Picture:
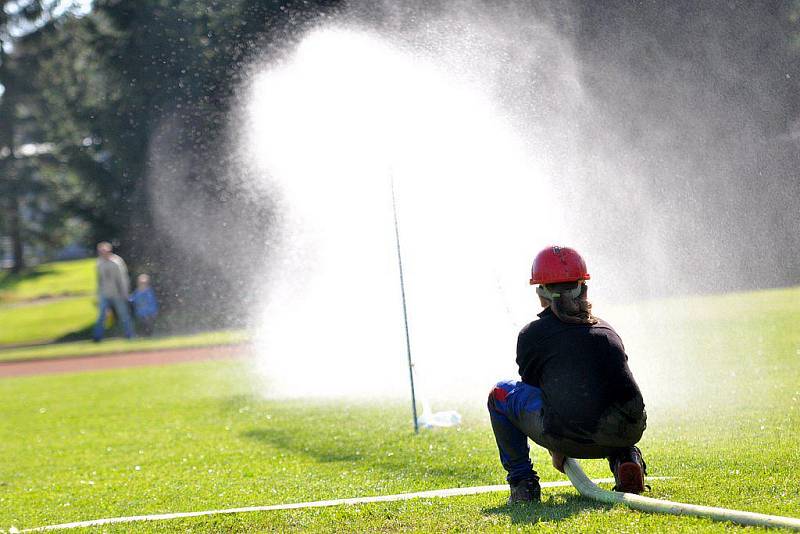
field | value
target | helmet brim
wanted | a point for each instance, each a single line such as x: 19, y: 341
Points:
x: 537, y: 281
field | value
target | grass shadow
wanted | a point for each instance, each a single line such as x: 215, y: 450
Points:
x: 554, y: 507
x: 117, y: 331
x: 78, y: 335
x: 9, y: 280
x: 355, y: 453
x: 285, y: 440
x: 85, y: 334
x: 316, y: 435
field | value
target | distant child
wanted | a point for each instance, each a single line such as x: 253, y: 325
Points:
x: 145, y: 305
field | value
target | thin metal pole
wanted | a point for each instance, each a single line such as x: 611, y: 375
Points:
x: 405, y: 309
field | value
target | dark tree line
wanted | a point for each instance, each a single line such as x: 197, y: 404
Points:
x: 85, y: 96
x: 90, y: 90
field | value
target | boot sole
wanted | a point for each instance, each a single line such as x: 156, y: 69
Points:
x: 631, y: 478
x: 535, y: 497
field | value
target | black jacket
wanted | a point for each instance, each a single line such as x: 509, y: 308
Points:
x: 582, y: 370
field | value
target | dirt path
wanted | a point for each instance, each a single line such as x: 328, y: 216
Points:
x: 124, y: 359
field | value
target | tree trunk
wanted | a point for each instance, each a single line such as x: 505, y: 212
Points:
x: 7, y: 141
x: 15, y: 231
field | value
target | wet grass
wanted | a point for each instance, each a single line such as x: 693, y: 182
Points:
x: 196, y: 437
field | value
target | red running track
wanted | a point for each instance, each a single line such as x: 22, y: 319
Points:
x: 97, y: 362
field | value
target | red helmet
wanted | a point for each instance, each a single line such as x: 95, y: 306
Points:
x: 558, y: 264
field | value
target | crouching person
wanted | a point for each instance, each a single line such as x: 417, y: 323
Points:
x: 577, y: 397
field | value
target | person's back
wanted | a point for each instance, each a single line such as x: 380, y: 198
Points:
x: 584, y: 376
x: 145, y: 304
x: 112, y: 277
x: 112, y: 290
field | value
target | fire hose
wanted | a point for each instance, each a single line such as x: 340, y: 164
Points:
x: 589, y: 489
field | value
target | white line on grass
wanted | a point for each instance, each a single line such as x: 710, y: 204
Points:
x: 452, y: 492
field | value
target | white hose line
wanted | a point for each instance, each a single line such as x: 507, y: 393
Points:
x: 452, y: 492
x: 587, y: 488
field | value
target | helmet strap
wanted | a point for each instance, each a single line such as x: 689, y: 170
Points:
x: 546, y: 294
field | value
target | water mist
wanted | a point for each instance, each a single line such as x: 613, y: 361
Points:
x: 496, y: 150
x: 346, y: 114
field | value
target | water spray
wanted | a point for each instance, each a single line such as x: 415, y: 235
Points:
x: 464, y: 140
x: 405, y: 308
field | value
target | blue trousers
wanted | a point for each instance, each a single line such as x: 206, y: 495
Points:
x: 516, y: 410
x: 508, y: 402
x: 123, y: 314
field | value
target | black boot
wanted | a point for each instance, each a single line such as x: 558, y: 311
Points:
x: 629, y: 470
x: 526, y: 490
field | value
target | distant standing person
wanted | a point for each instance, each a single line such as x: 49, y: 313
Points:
x: 145, y: 305
x: 113, y: 287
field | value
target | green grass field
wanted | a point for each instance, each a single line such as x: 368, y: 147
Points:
x: 197, y: 437
x: 39, y: 321
x: 57, y: 279
x: 47, y: 302
x: 57, y: 301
